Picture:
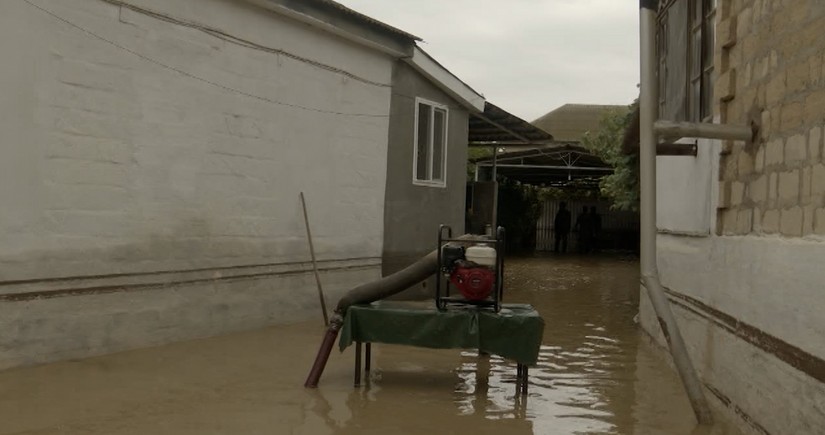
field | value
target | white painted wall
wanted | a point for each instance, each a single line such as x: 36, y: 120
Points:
x: 769, y: 282
x: 119, y: 159
x: 112, y: 163
x: 686, y: 189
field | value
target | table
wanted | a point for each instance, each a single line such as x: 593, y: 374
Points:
x: 514, y: 333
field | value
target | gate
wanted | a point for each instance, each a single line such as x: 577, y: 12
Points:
x: 620, y: 229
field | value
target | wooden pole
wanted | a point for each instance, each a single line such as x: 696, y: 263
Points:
x: 314, y: 262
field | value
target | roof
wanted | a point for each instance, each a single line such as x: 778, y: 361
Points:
x: 556, y: 165
x: 570, y: 122
x: 448, y: 82
x: 367, y: 20
x: 336, y: 18
x: 498, y: 126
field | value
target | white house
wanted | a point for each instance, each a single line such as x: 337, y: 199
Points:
x: 152, y: 154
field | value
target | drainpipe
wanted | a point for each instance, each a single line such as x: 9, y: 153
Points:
x: 648, y: 108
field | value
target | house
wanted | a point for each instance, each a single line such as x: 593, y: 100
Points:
x: 153, y: 154
x: 570, y: 122
x: 741, y: 225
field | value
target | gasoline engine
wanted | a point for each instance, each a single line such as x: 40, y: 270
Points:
x: 475, y: 268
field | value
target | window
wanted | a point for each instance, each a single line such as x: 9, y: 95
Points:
x: 686, y: 41
x: 430, y: 142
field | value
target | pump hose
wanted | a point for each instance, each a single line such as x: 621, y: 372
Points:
x: 371, y: 292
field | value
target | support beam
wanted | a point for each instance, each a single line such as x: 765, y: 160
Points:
x: 572, y: 168
x: 674, y: 149
x: 491, y: 122
x: 495, y: 187
x: 676, y: 130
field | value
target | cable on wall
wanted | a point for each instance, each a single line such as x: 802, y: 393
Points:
x: 193, y: 76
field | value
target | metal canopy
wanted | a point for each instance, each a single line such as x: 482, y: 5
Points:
x: 560, y: 165
x: 496, y: 126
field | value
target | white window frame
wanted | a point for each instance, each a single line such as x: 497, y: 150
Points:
x: 429, y: 181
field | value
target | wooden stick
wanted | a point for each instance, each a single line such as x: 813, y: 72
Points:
x: 314, y: 263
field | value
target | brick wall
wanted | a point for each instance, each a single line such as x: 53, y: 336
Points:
x: 770, y: 58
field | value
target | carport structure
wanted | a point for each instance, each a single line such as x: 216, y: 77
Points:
x: 552, y: 165
x: 524, y: 153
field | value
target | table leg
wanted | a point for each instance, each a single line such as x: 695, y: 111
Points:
x: 357, y: 363
x: 524, y: 381
x: 368, y: 357
x: 518, y: 378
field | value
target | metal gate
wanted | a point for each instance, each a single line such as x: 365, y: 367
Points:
x: 620, y: 229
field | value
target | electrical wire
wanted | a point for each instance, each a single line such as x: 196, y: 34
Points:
x: 220, y: 34
x: 193, y: 76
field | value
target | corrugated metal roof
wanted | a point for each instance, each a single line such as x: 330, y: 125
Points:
x: 499, y: 125
x: 558, y: 164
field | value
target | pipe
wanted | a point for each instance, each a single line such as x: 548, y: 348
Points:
x: 314, y: 262
x: 390, y: 284
x: 323, y: 352
x: 674, y: 130
x: 494, y: 219
x: 648, y: 106
x: 575, y: 168
x: 371, y: 292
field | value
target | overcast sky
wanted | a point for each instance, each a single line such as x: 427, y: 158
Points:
x: 527, y: 56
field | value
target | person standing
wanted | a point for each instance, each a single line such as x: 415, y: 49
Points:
x: 561, y: 227
x: 584, y: 227
x: 596, y: 224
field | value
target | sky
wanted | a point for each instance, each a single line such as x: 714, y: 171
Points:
x: 527, y: 56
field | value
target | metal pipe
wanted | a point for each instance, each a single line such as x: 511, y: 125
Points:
x: 673, y: 130
x: 323, y: 352
x: 494, y: 222
x: 573, y: 168
x: 648, y: 105
x: 315, y: 263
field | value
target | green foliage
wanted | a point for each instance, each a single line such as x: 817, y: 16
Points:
x: 622, y: 187
x: 476, y: 153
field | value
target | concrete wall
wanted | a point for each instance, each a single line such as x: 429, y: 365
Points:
x: 414, y: 213
x: 149, y: 184
x: 742, y: 257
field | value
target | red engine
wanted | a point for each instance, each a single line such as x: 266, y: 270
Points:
x: 475, y: 283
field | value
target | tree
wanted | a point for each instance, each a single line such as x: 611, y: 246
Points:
x: 622, y: 186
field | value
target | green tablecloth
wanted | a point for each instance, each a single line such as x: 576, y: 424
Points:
x: 514, y: 333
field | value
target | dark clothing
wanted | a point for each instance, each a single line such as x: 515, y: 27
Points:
x: 596, y: 222
x: 584, y: 225
x: 561, y: 239
x: 561, y: 229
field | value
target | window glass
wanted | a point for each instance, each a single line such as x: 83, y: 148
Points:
x: 423, y: 145
x: 430, y: 144
x: 439, y: 130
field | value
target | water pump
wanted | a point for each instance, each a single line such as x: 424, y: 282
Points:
x: 475, y: 270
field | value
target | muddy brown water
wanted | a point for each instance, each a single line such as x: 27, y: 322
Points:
x: 597, y: 374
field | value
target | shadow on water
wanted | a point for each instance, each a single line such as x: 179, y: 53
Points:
x: 597, y: 374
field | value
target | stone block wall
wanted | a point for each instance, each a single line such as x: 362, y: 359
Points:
x: 771, y: 73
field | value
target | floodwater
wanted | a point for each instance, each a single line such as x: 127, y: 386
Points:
x: 598, y: 374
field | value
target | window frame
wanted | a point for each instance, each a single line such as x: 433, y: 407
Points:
x: 429, y: 181
x: 699, y: 66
